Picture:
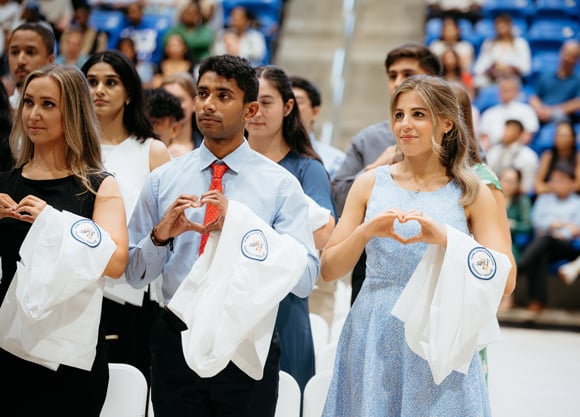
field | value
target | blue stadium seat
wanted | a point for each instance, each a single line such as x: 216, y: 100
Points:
x: 110, y: 21
x: 544, y: 138
x: 558, y: 8
x: 515, y: 8
x: 486, y: 97
x: 548, y: 34
x: 544, y: 61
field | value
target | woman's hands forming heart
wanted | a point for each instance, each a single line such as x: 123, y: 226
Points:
x: 26, y: 210
x: 387, y: 225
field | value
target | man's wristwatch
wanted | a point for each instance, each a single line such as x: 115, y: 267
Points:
x: 160, y: 242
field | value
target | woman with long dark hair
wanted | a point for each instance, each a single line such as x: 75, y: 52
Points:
x: 277, y: 132
x: 130, y: 150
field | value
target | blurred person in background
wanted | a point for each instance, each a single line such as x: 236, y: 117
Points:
x: 189, y: 137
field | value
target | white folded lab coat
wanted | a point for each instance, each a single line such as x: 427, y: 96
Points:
x: 52, y: 309
x: 450, y: 304
x: 229, y: 300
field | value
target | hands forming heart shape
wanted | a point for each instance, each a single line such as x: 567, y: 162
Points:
x: 26, y: 210
x: 408, y: 227
x: 176, y: 220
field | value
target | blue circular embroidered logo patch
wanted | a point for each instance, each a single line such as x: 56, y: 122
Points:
x: 255, y: 245
x: 87, y: 232
x: 481, y: 263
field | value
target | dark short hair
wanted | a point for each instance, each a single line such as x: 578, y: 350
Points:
x: 236, y: 68
x: 43, y: 30
x: 161, y: 103
x: 310, y: 88
x: 426, y: 59
x: 515, y: 122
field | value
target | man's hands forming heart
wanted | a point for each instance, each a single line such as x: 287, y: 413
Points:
x: 176, y: 222
x: 385, y: 225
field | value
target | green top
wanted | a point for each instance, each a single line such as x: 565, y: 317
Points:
x: 486, y: 175
x: 199, y: 39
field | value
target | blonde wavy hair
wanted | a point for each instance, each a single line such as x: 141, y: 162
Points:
x: 438, y: 97
x: 82, y: 146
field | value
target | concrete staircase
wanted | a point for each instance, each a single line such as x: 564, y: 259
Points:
x: 311, y: 33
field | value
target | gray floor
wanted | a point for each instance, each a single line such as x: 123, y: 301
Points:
x: 535, y: 373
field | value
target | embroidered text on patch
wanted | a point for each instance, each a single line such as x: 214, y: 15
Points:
x: 481, y: 263
x: 87, y: 232
x: 254, y: 245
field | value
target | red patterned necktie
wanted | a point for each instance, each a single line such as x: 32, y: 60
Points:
x: 211, y: 211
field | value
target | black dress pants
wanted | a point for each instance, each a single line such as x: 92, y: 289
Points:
x: 177, y: 391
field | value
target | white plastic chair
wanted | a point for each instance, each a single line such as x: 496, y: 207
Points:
x: 320, y: 331
x: 324, y: 360
x: 150, y: 412
x: 288, y: 404
x: 315, y: 394
x: 127, y: 392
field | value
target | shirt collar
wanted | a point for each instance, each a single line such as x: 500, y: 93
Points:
x: 233, y: 160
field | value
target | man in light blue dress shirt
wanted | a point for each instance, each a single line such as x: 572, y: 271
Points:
x: 164, y: 237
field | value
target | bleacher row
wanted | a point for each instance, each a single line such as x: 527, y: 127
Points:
x: 268, y: 14
x: 545, y: 24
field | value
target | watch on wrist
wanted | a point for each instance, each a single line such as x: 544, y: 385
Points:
x: 157, y: 242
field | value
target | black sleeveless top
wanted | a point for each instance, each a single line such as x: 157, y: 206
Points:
x: 62, y: 194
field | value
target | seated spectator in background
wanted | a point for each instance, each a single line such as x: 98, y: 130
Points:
x: 146, y: 70
x: 519, y: 214
x: 564, y: 149
x: 146, y: 38
x: 10, y: 12
x: 511, y: 152
x: 557, y: 94
x: 451, y: 38
x: 182, y: 86
x: 457, y: 9
x: 503, y: 55
x: 241, y: 38
x: 309, y: 101
x: 510, y: 107
x: 165, y: 114
x: 93, y: 40
x: 556, y: 221
x: 453, y: 72
x: 175, y: 59
x: 31, y: 14
x: 519, y: 209
x: 70, y: 46
x: 58, y: 13
x: 198, y: 36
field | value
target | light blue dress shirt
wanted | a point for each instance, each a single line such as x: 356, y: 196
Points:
x: 268, y: 189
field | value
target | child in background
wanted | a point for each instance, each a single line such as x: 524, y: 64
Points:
x: 165, y: 114
x: 519, y: 209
